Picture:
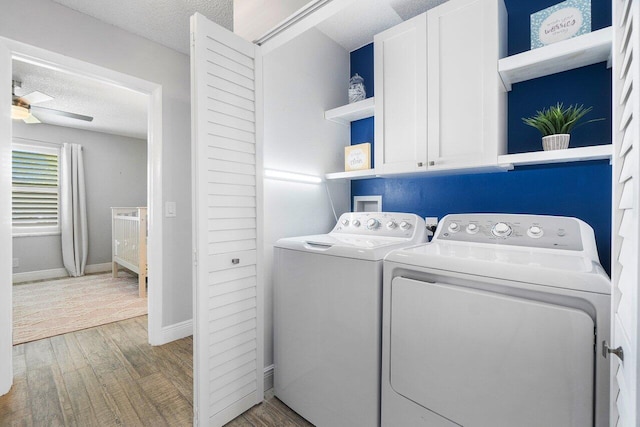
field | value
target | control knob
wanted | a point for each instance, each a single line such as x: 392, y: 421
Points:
x: 472, y: 228
x: 391, y: 225
x: 535, y: 232
x: 405, y: 225
x: 356, y: 223
x: 373, y: 223
x: 345, y: 222
x: 454, y: 227
x: 501, y: 229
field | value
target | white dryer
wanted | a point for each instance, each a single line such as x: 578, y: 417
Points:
x: 497, y: 322
x: 328, y: 316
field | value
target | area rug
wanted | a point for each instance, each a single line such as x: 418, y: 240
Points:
x: 48, y: 308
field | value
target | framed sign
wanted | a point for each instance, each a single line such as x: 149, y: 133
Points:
x: 357, y: 157
x: 563, y: 21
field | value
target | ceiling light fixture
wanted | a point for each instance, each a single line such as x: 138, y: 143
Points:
x: 19, y: 112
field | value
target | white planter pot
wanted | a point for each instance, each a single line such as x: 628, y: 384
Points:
x: 555, y: 142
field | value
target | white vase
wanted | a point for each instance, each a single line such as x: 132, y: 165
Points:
x: 555, y: 142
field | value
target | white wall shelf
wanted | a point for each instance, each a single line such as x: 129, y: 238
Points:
x: 562, y: 56
x: 352, y: 112
x: 363, y: 174
x: 596, y: 152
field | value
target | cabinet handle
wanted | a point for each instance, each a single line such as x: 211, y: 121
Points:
x: 432, y: 163
x: 235, y: 261
x: 420, y: 164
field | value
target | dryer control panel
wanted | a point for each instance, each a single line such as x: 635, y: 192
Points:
x: 537, y: 231
x: 381, y: 224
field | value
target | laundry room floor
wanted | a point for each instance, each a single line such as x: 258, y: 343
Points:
x: 270, y: 413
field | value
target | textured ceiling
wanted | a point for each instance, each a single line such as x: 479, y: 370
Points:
x: 114, y: 109
x: 355, y: 26
x: 163, y: 21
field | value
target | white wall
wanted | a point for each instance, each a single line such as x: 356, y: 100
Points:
x: 64, y: 31
x: 302, y: 79
x: 115, y: 175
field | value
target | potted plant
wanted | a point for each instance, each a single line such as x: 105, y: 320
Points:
x: 556, y: 122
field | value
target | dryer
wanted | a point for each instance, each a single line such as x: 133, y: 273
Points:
x: 497, y: 322
x: 328, y: 316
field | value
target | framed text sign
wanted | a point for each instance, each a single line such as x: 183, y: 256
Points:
x: 568, y: 19
x: 357, y: 157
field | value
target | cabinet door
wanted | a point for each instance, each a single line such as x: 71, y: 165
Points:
x: 400, y: 68
x: 467, y: 101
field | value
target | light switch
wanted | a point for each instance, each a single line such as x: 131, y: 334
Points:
x: 170, y: 209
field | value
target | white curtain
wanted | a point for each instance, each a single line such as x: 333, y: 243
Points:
x: 73, y: 210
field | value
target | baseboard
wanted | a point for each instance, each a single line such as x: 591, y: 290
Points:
x: 176, y: 331
x: 28, y: 276
x: 57, y: 273
x: 268, y: 377
x: 97, y: 268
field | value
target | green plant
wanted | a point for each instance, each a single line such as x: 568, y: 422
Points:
x: 558, y: 119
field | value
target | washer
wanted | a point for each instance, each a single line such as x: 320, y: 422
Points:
x: 328, y: 316
x: 497, y: 322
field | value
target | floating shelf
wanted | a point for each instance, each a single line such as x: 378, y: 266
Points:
x: 596, y: 152
x: 577, y: 52
x: 363, y: 174
x: 352, y: 112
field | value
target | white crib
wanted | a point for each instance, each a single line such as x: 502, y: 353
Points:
x: 129, y: 243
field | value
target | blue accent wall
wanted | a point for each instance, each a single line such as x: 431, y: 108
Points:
x: 581, y: 189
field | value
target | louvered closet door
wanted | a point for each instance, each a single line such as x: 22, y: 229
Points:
x: 626, y: 211
x: 228, y: 342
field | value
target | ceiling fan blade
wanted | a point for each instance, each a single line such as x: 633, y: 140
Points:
x: 31, y: 119
x: 62, y: 113
x: 36, y: 97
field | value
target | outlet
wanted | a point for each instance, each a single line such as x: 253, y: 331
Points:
x: 16, y: 262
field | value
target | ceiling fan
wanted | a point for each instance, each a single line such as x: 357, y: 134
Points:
x: 22, y: 106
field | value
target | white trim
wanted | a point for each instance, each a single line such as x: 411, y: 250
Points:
x: 268, y: 377
x: 98, y: 268
x: 52, y: 60
x: 177, y: 331
x: 57, y: 273
x: 29, y: 276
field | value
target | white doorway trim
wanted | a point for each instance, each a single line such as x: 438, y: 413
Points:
x: 45, y: 58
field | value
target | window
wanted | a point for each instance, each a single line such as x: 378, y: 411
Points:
x: 35, y: 189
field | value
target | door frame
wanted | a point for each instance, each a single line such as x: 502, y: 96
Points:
x: 42, y: 57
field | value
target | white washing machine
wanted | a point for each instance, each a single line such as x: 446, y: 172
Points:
x: 497, y: 322
x: 328, y: 316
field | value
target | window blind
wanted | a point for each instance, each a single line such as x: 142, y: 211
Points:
x: 35, y: 190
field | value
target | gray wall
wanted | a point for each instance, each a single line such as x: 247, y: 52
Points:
x: 115, y: 175
x: 70, y: 33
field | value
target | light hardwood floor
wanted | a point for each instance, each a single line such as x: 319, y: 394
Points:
x: 110, y: 376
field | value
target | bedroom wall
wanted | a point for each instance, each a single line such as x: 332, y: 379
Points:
x: 70, y: 33
x: 115, y: 175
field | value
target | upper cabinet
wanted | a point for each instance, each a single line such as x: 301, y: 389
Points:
x: 466, y: 99
x: 400, y: 70
x: 440, y: 103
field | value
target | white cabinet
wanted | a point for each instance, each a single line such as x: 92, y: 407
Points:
x: 440, y: 103
x: 400, y: 70
x: 467, y: 102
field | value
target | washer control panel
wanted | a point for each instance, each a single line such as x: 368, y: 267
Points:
x: 538, y: 231
x: 382, y: 224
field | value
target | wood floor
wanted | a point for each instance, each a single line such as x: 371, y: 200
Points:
x: 110, y: 376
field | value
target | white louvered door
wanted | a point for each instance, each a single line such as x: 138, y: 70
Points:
x: 626, y: 212
x: 226, y: 134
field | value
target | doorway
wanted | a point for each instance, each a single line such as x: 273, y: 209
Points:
x: 43, y: 58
